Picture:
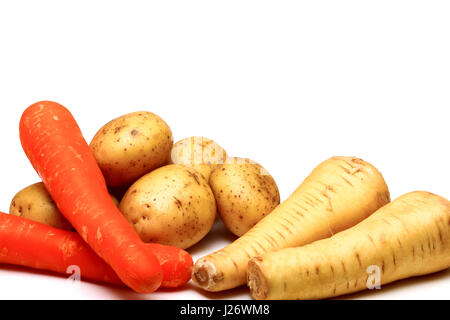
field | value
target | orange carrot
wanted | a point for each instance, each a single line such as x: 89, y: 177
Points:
x: 57, y: 150
x: 32, y: 244
x: 176, y: 264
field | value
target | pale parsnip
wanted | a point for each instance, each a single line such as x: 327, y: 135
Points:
x: 408, y: 237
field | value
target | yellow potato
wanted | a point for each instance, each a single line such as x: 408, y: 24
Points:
x: 130, y: 146
x: 172, y: 205
x: 35, y: 203
x: 200, y: 153
x: 245, y: 192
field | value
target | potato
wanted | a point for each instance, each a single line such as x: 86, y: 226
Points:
x: 130, y: 146
x: 245, y: 192
x: 172, y: 205
x: 35, y: 203
x: 200, y: 153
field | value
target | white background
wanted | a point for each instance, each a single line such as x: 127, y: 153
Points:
x: 286, y: 83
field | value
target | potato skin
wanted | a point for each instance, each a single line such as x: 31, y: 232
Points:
x: 35, y: 203
x: 130, y: 146
x: 172, y: 205
x: 245, y: 192
x: 200, y: 153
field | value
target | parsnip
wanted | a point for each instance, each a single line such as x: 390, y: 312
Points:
x: 408, y: 237
x: 338, y: 194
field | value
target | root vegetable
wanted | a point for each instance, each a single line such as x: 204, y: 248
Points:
x: 338, y: 194
x: 33, y: 244
x: 40, y: 246
x: 57, y: 150
x: 408, y: 237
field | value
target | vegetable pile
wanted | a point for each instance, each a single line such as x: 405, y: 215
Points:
x: 125, y: 208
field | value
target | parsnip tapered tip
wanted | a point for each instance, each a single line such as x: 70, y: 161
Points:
x: 255, y: 280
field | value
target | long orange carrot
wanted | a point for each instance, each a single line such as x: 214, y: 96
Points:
x: 57, y: 150
x: 32, y: 244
